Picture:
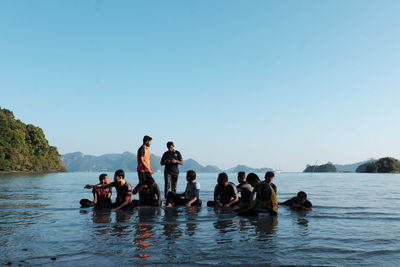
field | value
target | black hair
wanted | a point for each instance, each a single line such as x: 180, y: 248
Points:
x: 146, y: 138
x: 252, y: 178
x: 242, y: 175
x: 269, y: 175
x: 170, y: 143
x: 102, y: 176
x: 302, y: 194
x: 149, y: 181
x: 120, y: 173
x: 191, y: 174
x: 222, y: 177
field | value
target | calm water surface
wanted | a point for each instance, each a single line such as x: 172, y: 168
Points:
x: 355, y: 221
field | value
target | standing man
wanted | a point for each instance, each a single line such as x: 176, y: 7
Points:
x: 143, y: 159
x: 171, y: 159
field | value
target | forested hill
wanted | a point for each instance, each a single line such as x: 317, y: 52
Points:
x: 24, y: 147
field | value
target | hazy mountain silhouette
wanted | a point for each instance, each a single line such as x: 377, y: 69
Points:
x: 79, y: 162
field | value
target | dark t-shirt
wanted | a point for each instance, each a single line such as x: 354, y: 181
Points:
x: 149, y: 194
x: 171, y: 168
x: 101, y: 193
x: 122, y: 192
x: 225, y: 194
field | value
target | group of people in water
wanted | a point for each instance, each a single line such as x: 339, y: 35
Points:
x: 226, y: 193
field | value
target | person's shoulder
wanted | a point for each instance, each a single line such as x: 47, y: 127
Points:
x: 128, y: 185
x: 141, y: 149
x: 307, y: 204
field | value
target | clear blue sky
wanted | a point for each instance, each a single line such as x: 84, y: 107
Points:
x: 264, y: 83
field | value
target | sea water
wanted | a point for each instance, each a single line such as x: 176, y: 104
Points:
x: 355, y: 221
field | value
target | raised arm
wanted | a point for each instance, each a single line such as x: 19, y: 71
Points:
x: 101, y: 186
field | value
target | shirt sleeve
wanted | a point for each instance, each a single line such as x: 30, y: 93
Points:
x: 179, y: 155
x: 141, y: 151
x: 113, y: 184
x: 197, y: 190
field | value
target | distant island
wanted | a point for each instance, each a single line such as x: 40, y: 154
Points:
x: 78, y: 162
x: 382, y: 165
x: 328, y: 167
x: 24, y: 147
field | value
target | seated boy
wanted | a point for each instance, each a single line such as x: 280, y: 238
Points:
x: 124, y: 190
x: 101, y: 197
x: 149, y: 193
x: 245, y: 189
x: 191, y: 195
x: 300, y: 202
x: 265, y: 201
x: 225, y: 193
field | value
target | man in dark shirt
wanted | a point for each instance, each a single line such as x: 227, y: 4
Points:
x: 300, y: 202
x: 123, y: 188
x: 245, y: 189
x: 225, y: 193
x: 149, y: 193
x: 171, y: 159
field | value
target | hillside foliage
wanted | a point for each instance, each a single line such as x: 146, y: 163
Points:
x: 25, y: 147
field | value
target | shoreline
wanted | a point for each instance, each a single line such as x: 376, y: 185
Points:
x: 31, y: 172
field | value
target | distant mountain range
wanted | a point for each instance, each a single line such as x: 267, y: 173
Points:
x: 330, y: 167
x: 78, y: 162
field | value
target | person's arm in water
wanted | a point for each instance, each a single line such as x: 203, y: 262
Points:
x: 190, y: 202
x: 126, y: 202
x: 296, y: 206
x: 236, y: 199
x: 286, y: 202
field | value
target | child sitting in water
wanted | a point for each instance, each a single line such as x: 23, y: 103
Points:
x: 101, y: 196
x: 300, y: 202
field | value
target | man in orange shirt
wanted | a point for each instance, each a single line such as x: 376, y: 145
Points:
x: 143, y: 158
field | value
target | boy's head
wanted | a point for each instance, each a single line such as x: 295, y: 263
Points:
x: 119, y: 175
x: 241, y: 177
x: 147, y: 140
x: 253, y: 179
x: 222, y: 178
x: 269, y: 176
x: 104, y: 179
x: 302, y: 196
x: 170, y: 146
x: 190, y: 175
